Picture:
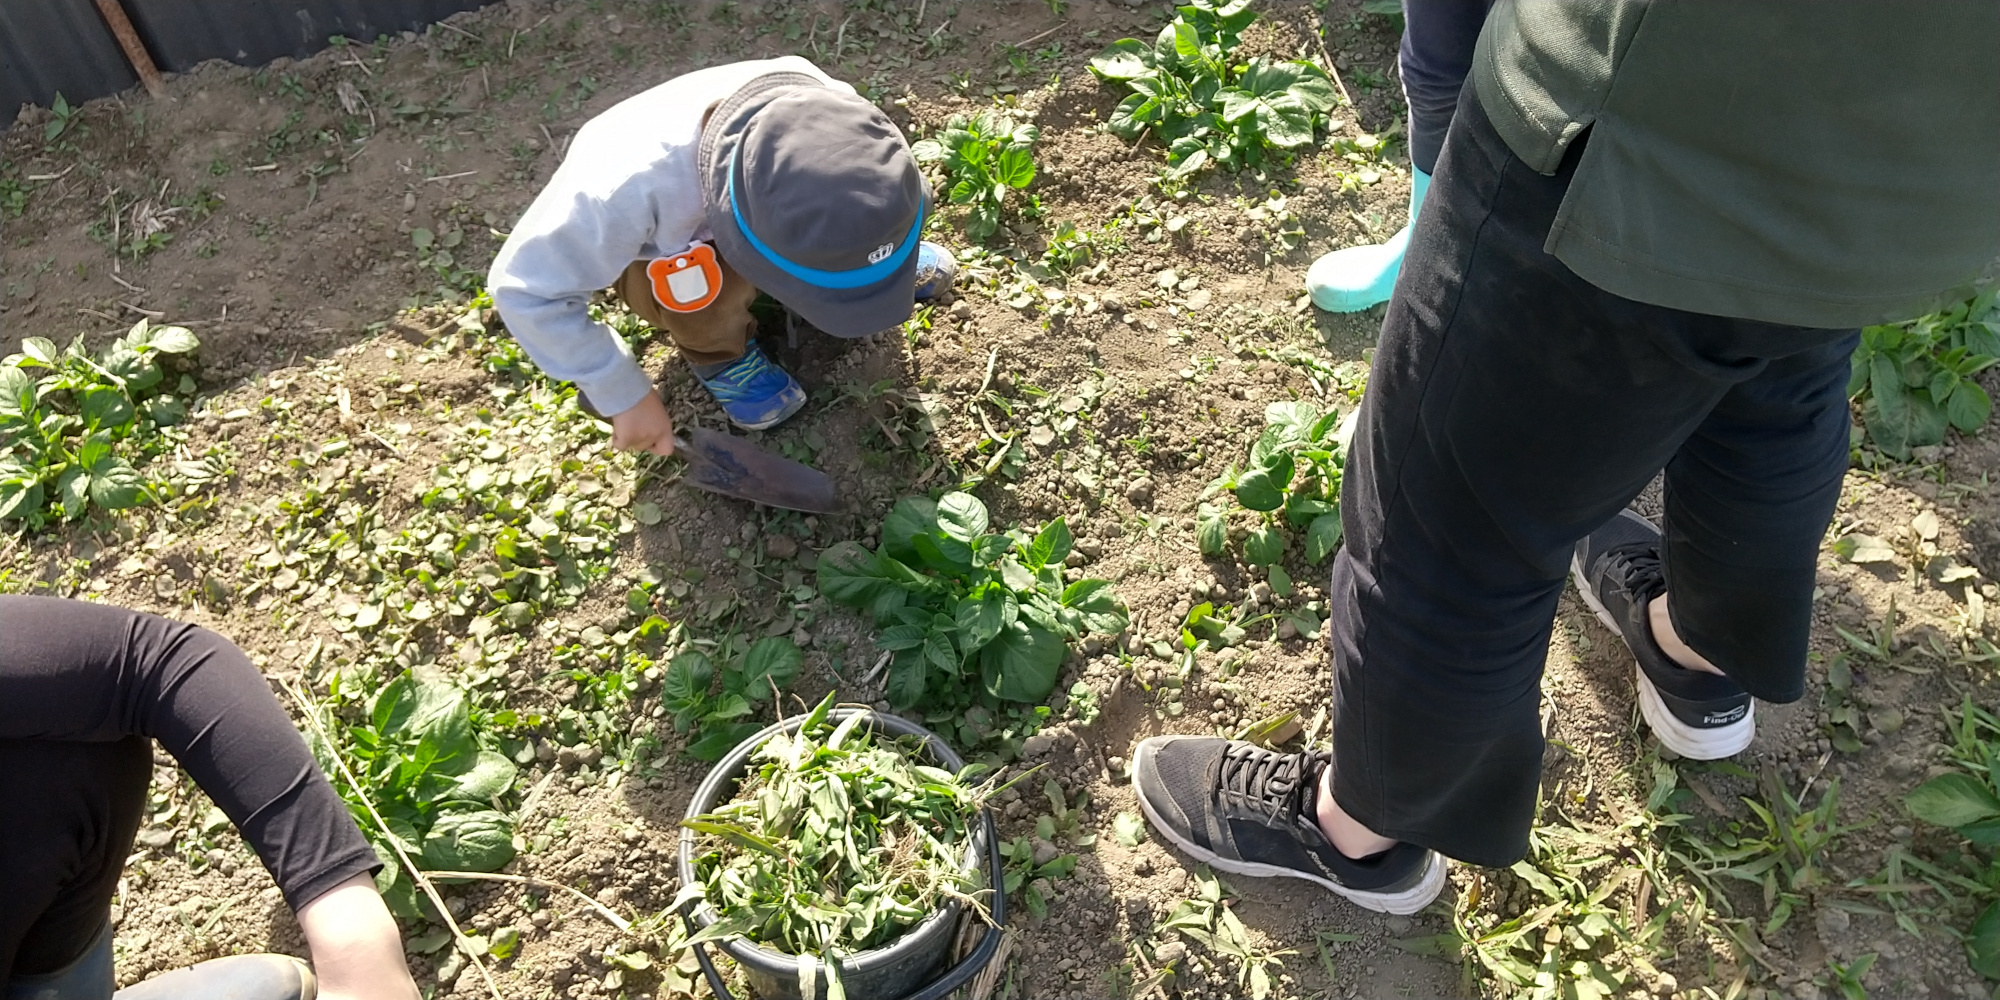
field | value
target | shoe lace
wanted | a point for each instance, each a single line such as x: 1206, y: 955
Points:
x: 1635, y: 567
x: 1262, y: 785
x: 740, y: 379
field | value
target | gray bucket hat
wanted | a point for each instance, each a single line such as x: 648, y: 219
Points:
x: 813, y: 196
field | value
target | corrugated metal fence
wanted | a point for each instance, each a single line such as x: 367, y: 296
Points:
x: 51, y: 46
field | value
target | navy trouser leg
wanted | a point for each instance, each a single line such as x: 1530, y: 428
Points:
x: 1512, y: 408
x: 1435, y: 55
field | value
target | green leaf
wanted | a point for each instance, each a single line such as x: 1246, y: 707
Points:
x: 851, y: 575
x: 944, y: 554
x: 475, y: 841
x: 1287, y: 422
x: 115, y: 485
x: 1314, y: 89
x: 431, y: 712
x: 18, y: 391
x: 717, y: 740
x: 909, y: 674
x: 1263, y: 488
x: 896, y: 638
x: 1301, y: 508
x: 731, y: 705
x: 1123, y: 60
x: 1323, y: 537
x: 685, y: 686
x: 20, y: 497
x: 73, y: 491
x: 1982, y: 943
x: 1860, y: 548
x: 990, y: 548
x: 961, y: 516
x: 1897, y: 418
x: 1969, y: 407
x: 1016, y: 168
x: 1128, y: 828
x: 491, y: 774
x: 1212, y: 530
x: 173, y: 339
x: 736, y: 834
x: 1133, y: 115
x: 1189, y: 162
x: 1204, y: 625
x: 911, y: 517
x: 1101, y: 610
x: 981, y: 620
x: 106, y: 407
x: 939, y: 651
x: 773, y: 660
x: 1051, y: 545
x: 1021, y: 663
x: 1190, y: 54
x: 1281, y: 581
x: 40, y: 349
x: 95, y: 452
x: 1953, y: 800
x: 1264, y: 546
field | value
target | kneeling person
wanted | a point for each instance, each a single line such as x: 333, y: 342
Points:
x: 687, y: 200
x: 85, y: 690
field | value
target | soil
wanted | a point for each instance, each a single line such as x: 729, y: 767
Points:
x: 290, y: 195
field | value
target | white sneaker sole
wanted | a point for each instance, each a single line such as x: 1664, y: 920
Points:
x: 1402, y: 903
x: 1691, y: 742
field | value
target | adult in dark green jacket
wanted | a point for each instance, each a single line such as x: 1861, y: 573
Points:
x: 1652, y: 233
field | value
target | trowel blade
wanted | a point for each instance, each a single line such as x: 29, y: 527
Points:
x: 732, y: 466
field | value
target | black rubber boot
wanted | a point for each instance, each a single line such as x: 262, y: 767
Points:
x: 238, y: 977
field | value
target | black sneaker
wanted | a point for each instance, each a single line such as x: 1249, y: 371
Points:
x: 1696, y: 714
x: 1250, y: 811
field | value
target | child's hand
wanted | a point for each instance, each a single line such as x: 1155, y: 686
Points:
x: 644, y: 427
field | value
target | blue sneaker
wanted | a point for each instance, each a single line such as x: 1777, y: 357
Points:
x: 935, y: 270
x: 754, y: 392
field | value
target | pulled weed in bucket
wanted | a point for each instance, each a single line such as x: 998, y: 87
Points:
x: 838, y: 840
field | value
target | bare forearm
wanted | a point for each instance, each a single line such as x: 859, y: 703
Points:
x: 357, y: 952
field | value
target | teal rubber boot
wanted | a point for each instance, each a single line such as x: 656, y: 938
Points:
x: 1361, y: 277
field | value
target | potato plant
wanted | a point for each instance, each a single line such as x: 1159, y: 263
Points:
x: 968, y: 615
x: 984, y: 157
x: 1189, y: 92
x: 1291, y: 482
x: 436, y: 775
x: 76, y: 424
x: 716, y: 705
x: 1914, y: 380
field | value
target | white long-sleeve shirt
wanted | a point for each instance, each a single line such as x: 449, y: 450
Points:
x: 629, y: 189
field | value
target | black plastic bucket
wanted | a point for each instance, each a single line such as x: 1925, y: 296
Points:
x: 904, y: 969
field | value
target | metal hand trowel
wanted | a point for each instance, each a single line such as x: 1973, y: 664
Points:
x: 732, y: 466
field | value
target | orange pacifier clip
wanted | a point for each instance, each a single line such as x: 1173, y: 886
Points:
x: 687, y: 281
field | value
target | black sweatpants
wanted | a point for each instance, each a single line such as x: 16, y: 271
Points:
x: 75, y: 811
x: 1511, y: 409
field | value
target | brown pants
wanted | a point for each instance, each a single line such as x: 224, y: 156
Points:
x: 715, y: 333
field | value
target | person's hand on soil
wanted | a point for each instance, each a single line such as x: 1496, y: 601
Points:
x: 644, y: 427
x: 357, y: 952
